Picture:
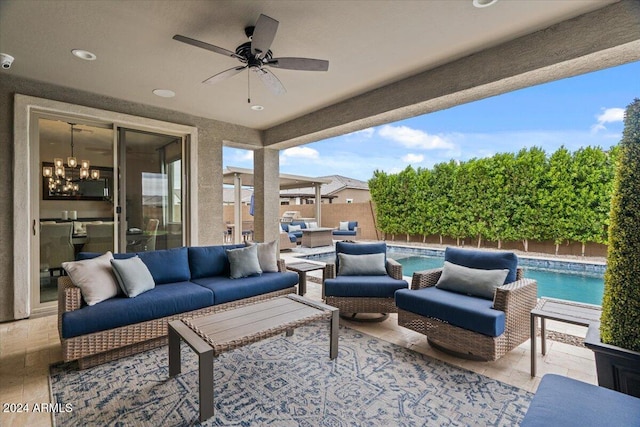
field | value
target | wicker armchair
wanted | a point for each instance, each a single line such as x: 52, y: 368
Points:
x: 352, y: 296
x: 515, y: 299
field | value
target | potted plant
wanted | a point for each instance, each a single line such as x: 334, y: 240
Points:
x: 616, y: 339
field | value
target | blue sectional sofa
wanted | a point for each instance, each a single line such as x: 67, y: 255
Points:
x: 294, y: 236
x: 562, y: 401
x: 188, y: 282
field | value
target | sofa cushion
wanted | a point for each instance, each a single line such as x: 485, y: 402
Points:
x: 467, y: 312
x: 494, y: 260
x: 562, y: 401
x: 244, y: 262
x: 359, y: 249
x: 226, y: 289
x: 352, y: 225
x: 94, y: 277
x: 471, y: 281
x: 343, y: 233
x: 90, y: 255
x: 162, y: 301
x: 363, y: 286
x: 292, y: 237
x: 362, y: 265
x: 167, y: 265
x: 207, y: 261
x: 133, y: 276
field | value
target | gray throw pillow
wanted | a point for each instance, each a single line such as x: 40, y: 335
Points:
x: 267, y: 256
x: 133, y: 276
x: 344, y: 226
x: 361, y: 265
x: 94, y: 277
x: 471, y: 281
x: 293, y: 228
x: 244, y: 262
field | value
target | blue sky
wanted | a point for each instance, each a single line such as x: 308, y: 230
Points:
x: 574, y: 112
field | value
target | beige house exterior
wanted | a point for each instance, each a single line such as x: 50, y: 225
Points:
x: 341, y: 189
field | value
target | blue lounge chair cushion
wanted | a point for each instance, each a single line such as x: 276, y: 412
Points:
x: 359, y: 249
x: 562, y: 401
x: 363, y: 286
x: 484, y: 260
x: 207, y: 261
x: 226, y: 289
x: 467, y: 312
x: 165, y: 300
x: 343, y: 233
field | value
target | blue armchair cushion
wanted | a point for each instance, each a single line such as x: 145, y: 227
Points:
x: 166, y: 300
x: 562, y: 401
x: 363, y: 286
x: 226, y: 289
x: 167, y: 265
x: 467, y: 312
x: 484, y: 260
x: 352, y: 225
x: 207, y: 261
x: 359, y: 249
x: 471, y: 281
x: 362, y: 265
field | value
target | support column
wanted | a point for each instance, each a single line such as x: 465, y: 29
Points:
x: 318, y: 205
x: 266, y: 186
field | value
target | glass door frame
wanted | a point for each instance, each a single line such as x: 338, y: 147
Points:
x: 27, y: 176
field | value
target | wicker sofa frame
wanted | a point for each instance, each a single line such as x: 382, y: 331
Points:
x: 363, y: 304
x: 516, y: 299
x: 104, y: 346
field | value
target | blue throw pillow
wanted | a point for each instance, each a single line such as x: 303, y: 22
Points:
x: 484, y: 260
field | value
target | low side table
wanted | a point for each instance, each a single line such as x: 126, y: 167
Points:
x: 302, y: 268
x: 561, y: 310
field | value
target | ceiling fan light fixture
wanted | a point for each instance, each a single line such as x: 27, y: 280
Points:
x: 84, y: 54
x: 484, y: 3
x: 164, y: 93
x: 257, y: 107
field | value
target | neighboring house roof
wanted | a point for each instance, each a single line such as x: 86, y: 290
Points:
x: 338, y: 183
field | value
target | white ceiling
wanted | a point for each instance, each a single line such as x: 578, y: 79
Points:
x: 368, y: 43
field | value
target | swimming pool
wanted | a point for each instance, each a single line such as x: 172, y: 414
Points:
x: 585, y: 286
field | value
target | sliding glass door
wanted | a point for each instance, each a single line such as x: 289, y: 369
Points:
x: 150, y: 202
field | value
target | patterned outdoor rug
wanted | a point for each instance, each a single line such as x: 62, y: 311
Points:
x: 289, y: 381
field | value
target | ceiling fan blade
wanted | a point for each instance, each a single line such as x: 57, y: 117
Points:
x: 207, y: 46
x: 302, y: 64
x: 271, y: 81
x: 263, y: 35
x: 224, y: 75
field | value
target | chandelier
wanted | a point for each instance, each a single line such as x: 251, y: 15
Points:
x: 64, y: 180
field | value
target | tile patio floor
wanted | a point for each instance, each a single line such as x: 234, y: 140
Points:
x: 27, y: 347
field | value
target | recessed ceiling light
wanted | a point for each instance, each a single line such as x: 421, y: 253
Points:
x: 484, y: 3
x: 165, y: 93
x: 257, y: 107
x: 84, y: 54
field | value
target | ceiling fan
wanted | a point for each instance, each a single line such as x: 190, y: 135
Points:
x: 256, y: 56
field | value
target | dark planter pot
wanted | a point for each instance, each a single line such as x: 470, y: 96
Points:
x: 617, y: 368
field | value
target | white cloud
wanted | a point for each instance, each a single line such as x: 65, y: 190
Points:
x: 364, y: 133
x: 608, y: 115
x: 413, y: 158
x: 301, y: 152
x: 414, y: 138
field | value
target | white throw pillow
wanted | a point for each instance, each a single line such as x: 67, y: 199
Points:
x: 133, y: 276
x: 244, y: 262
x: 267, y: 256
x: 471, y: 281
x: 344, y: 226
x: 293, y: 228
x: 361, y: 265
x: 94, y: 277
x: 311, y: 225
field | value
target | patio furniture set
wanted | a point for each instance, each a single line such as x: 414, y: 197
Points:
x: 310, y: 235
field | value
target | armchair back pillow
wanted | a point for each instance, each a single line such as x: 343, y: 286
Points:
x: 362, y: 265
x: 471, y: 281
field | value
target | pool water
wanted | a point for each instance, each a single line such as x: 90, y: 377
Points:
x: 570, y: 285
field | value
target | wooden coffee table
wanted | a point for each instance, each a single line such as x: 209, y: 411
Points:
x: 213, y: 334
x: 313, y: 237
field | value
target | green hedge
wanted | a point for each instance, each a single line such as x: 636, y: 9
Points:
x: 523, y: 196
